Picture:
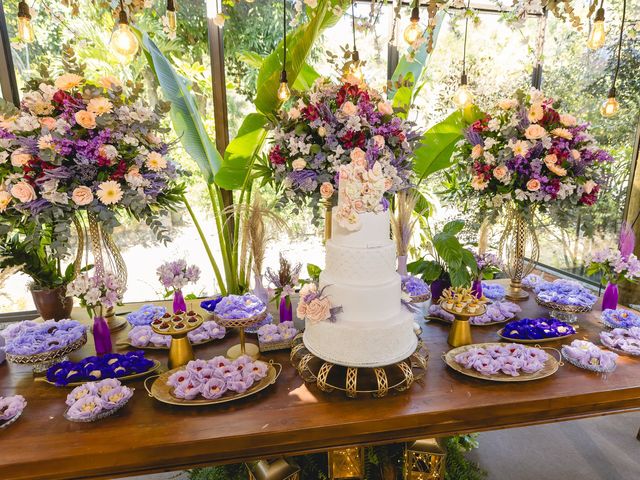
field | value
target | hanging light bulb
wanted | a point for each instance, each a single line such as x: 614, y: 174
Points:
x: 610, y: 107
x: 597, y: 35
x: 25, y: 28
x: 124, y: 44
x: 283, y: 90
x: 463, y: 95
x: 355, y: 69
x: 172, y: 19
x: 414, y: 31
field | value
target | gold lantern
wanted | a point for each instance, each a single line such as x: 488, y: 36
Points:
x: 424, y: 459
x: 346, y: 463
x: 278, y: 469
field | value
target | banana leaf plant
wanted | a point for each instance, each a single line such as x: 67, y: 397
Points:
x: 233, y: 170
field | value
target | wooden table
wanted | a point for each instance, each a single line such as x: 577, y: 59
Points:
x: 293, y: 418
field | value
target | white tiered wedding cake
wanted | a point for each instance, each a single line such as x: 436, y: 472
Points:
x: 372, y: 328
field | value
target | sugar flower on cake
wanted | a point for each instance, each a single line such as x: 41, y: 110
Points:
x: 315, y: 306
x: 532, y: 154
x: 331, y: 125
x: 85, y: 145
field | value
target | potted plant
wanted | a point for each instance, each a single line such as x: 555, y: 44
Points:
x: 451, y: 263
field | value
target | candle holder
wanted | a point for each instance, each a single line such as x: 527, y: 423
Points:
x: 460, y: 332
x: 177, y: 326
x: 346, y: 463
x: 243, y: 348
x: 424, y: 459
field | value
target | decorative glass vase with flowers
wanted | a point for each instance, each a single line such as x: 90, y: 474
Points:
x: 332, y: 125
x: 488, y: 266
x: 615, y: 266
x: 100, y: 291
x: 174, y: 276
x: 284, y: 281
x: 81, y: 149
x: 527, y: 156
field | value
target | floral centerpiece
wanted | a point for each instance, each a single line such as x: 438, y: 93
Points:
x: 331, y: 125
x: 528, y: 155
x: 97, y: 293
x: 95, y: 400
x: 284, y: 281
x: 174, y: 276
x: 488, y: 266
x: 614, y: 266
x: 79, y: 147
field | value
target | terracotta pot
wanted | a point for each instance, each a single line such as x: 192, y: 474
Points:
x: 52, y: 304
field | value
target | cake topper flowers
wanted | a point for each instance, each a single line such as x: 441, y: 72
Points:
x: 315, y: 306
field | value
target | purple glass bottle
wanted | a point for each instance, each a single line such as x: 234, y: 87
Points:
x: 610, y: 297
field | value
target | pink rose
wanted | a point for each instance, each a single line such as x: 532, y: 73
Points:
x: 500, y: 172
x: 534, y: 132
x: 385, y: 108
x: 476, y: 151
x: 301, y: 311
x: 588, y: 186
x: 575, y: 154
x: 358, y: 206
x: 478, y: 182
x: 48, y: 122
x: 533, y: 185
x: 82, y: 196
x: 23, y: 192
x: 359, y: 157
x: 348, y: 108
x: 378, y: 141
x: 318, y: 310
x: 568, y: 120
x: 326, y: 190
x: 20, y: 158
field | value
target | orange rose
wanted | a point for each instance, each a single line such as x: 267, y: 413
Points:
x: 385, y: 108
x: 500, y: 172
x: 82, y: 196
x: 358, y: 157
x: 326, y: 190
x: 86, y: 119
x: 20, y: 158
x: 48, y: 122
x: 476, y: 151
x: 5, y: 200
x: 23, y: 192
x: 533, y: 185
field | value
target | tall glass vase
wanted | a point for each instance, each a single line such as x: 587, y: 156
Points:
x: 286, y: 310
x: 476, y: 288
x: 519, y: 249
x: 179, y: 305
x: 610, y: 297
x: 101, y: 335
x: 258, y: 289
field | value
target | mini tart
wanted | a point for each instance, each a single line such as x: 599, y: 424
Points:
x: 157, y: 322
x: 448, y: 304
x: 163, y: 326
x: 191, y: 313
x: 179, y: 326
x: 472, y: 307
x: 192, y: 320
x: 458, y: 307
x: 176, y: 319
x: 179, y: 312
x: 166, y: 315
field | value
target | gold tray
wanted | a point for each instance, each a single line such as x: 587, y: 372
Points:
x: 133, y: 376
x: 533, y: 342
x: 550, y: 366
x: 162, y: 392
x: 439, y: 319
x: 166, y: 349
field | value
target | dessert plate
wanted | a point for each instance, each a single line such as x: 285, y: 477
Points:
x: 551, y: 366
x: 527, y: 341
x: 162, y: 392
x: 133, y: 376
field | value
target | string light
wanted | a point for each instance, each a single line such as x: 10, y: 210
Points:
x: 25, y: 28
x: 124, y: 44
x: 597, y: 35
x: 413, y: 32
x: 283, y: 90
x: 172, y: 19
x: 463, y: 95
x: 611, y: 107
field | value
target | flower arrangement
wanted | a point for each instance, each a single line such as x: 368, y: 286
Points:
x: 529, y: 153
x: 625, y: 340
x: 94, y: 400
x: 488, y: 265
x: 213, y: 378
x: 78, y: 145
x: 112, y: 365
x: 584, y: 354
x: 510, y: 359
x: 613, y: 266
x: 30, y: 338
x: 332, y: 125
x: 537, y: 329
x: 493, y: 291
x: 315, y: 306
x: 96, y: 292
x: 145, y: 315
x: 11, y: 407
x: 620, y: 318
x: 235, y: 307
x: 176, y: 275
x: 143, y: 335
x: 284, y: 281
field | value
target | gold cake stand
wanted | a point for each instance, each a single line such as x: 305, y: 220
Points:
x: 376, y: 381
x: 180, y: 351
x: 460, y: 332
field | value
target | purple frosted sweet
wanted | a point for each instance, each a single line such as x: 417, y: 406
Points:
x: 214, y: 388
x: 240, y: 306
x: 179, y: 378
x: 438, y: 311
x: 509, y: 359
x: 493, y: 291
x: 627, y: 340
x: 498, y: 311
x: 277, y: 333
x: 116, y: 397
x: 589, y: 355
x: 537, y: 329
x: 620, y: 318
x: 11, y: 406
x: 30, y: 338
x: 566, y: 292
x: 414, y: 286
x: 146, y: 314
x: 188, y: 390
x: 86, y: 408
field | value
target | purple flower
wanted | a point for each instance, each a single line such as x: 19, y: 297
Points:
x: 86, y: 408
x: 116, y: 397
x: 214, y: 388
x: 146, y: 314
x: 414, y: 286
x: 11, y: 406
x: 239, y: 306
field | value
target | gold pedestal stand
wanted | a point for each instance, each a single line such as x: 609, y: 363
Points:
x: 326, y: 202
x: 377, y: 381
x: 115, y: 322
x: 180, y: 351
x: 243, y: 348
x: 460, y: 332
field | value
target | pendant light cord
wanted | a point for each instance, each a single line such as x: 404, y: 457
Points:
x: 353, y: 25
x: 464, y: 47
x: 624, y: 14
x: 284, y: 29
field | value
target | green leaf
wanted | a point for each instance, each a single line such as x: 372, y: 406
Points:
x: 185, y: 116
x: 469, y: 261
x: 305, y: 79
x: 241, y: 151
x: 459, y: 277
x: 252, y: 59
x: 454, y: 227
x: 314, y: 271
x: 432, y: 271
x: 448, y: 248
